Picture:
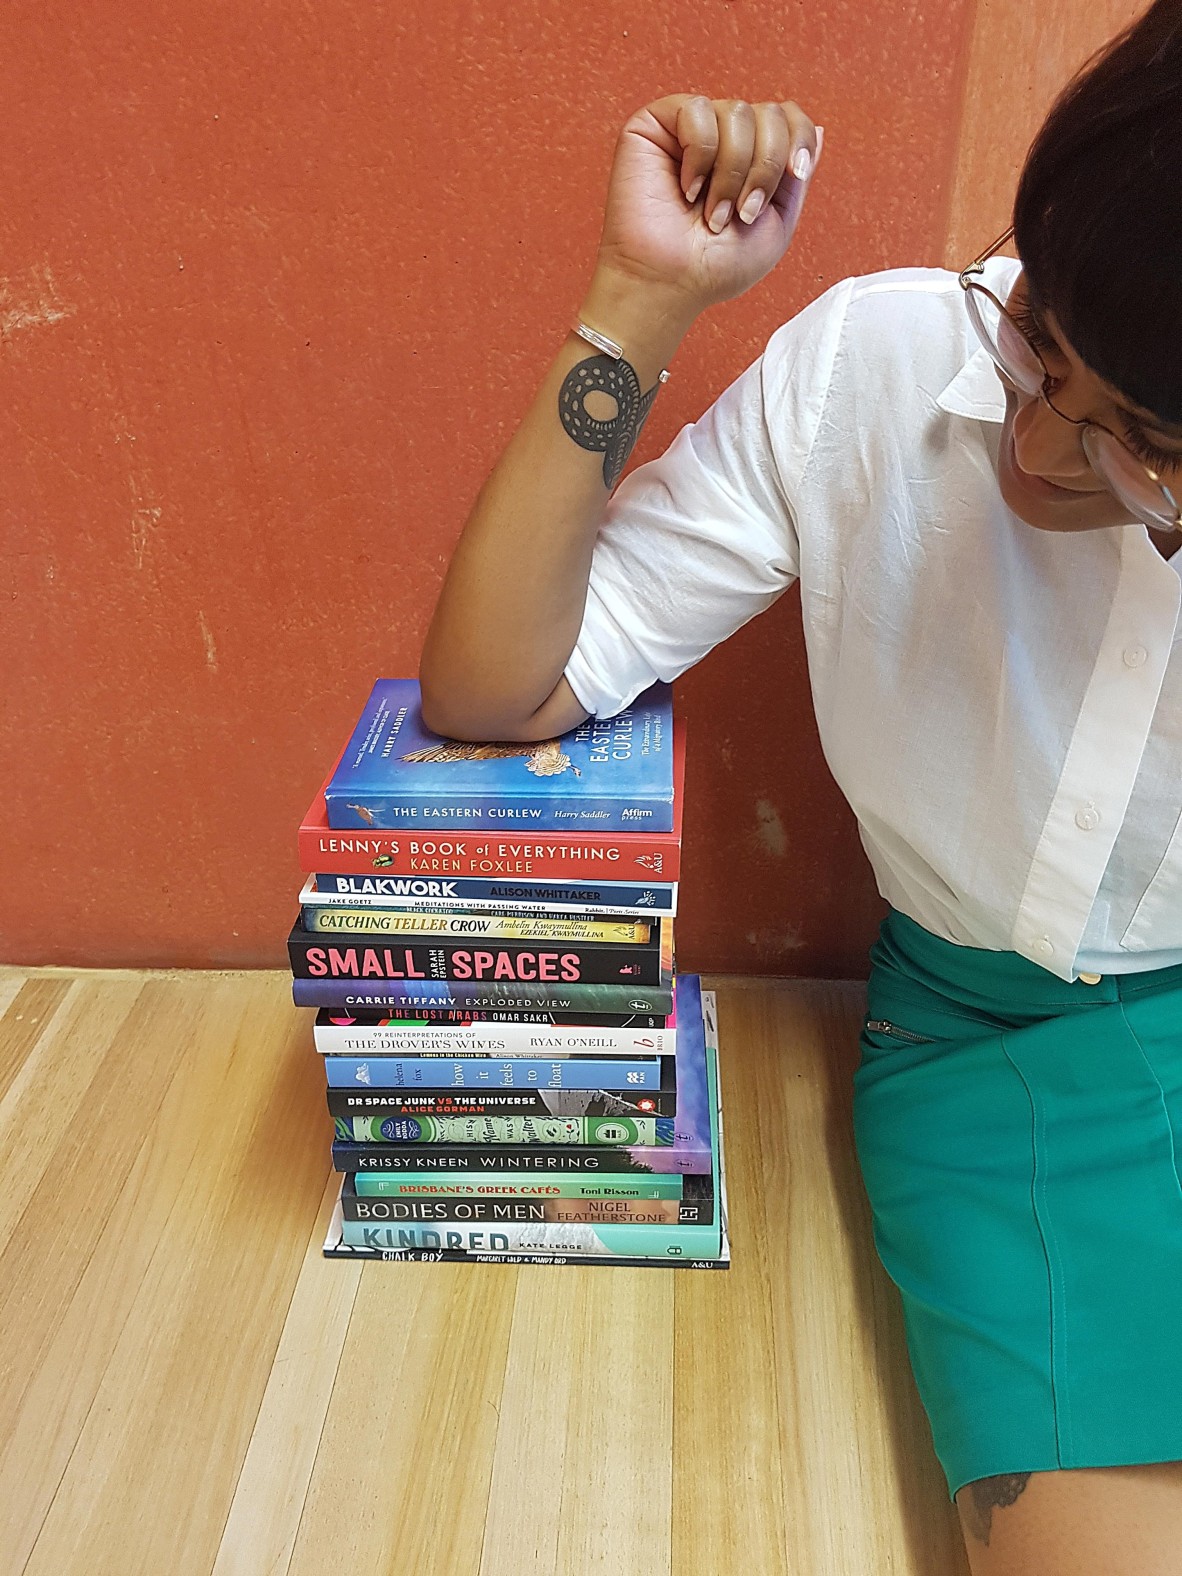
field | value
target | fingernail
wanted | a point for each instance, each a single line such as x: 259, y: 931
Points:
x: 802, y: 164
x: 820, y: 131
x: 750, y: 210
x: 694, y: 189
x: 718, y: 218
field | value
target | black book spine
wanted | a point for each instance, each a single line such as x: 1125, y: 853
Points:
x: 369, y: 1101
x: 569, y: 1158
x: 373, y: 959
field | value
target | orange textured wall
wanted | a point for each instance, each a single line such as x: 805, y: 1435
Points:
x: 276, y: 281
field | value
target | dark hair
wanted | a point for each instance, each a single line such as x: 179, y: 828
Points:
x: 1098, y: 212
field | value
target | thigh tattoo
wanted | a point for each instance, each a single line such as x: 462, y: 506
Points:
x: 979, y: 1500
x: 614, y: 437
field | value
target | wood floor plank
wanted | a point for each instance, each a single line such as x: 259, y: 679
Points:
x: 584, y: 1447
x: 24, y: 1018
x: 269, y: 1496
x: 162, y: 1445
x: 727, y: 1489
x: 53, y: 1082
x: 849, y: 1438
x: 11, y: 981
x: 617, y: 1489
x: 529, y: 1464
x: 402, y: 1479
x: 53, y: 1228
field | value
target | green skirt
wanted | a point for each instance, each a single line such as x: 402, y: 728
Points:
x: 1020, y: 1140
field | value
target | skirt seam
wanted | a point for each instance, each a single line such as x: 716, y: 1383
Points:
x: 1157, y: 988
x: 1053, y: 1007
x: 1056, y: 1333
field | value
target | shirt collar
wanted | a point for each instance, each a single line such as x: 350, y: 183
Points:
x: 976, y: 390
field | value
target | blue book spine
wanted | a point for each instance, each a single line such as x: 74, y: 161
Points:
x: 440, y: 894
x: 607, y: 775
x: 399, y: 1072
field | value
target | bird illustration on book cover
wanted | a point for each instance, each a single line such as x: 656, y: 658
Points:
x: 545, y: 759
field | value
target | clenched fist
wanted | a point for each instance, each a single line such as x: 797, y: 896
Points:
x: 705, y: 194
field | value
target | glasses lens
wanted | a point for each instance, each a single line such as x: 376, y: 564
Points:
x: 1012, y: 352
x: 1125, y: 475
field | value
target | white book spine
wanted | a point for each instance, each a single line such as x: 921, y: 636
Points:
x: 495, y: 1039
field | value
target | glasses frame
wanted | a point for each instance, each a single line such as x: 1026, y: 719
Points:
x: 967, y: 283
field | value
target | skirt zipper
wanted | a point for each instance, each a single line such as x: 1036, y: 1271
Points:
x: 882, y: 1026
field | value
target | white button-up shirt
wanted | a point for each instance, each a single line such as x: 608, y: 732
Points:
x: 1001, y: 706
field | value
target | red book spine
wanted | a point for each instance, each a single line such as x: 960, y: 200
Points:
x: 561, y: 857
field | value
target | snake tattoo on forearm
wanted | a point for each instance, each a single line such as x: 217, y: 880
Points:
x: 614, y: 438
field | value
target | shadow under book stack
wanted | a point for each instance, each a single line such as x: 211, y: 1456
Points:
x: 516, y: 1073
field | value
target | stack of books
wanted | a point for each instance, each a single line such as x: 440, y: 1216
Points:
x: 516, y: 1073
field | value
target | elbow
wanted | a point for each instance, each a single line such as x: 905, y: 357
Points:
x: 480, y: 721
x: 460, y: 707
x: 438, y: 703
x: 443, y: 717
x: 453, y: 706
x: 458, y: 716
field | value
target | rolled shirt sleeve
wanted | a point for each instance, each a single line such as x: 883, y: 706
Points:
x: 697, y: 542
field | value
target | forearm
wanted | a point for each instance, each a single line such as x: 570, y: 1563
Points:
x: 512, y: 603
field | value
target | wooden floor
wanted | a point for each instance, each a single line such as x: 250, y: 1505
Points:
x: 186, y: 1387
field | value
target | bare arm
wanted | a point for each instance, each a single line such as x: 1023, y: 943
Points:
x: 512, y: 603
x: 509, y: 613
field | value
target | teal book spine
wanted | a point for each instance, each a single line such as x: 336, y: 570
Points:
x: 429, y: 1184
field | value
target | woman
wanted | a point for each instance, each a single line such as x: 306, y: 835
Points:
x: 975, y: 482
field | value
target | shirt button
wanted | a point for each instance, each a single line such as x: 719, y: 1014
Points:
x: 1043, y: 947
x: 1087, y: 818
x: 1134, y: 656
x: 1089, y: 979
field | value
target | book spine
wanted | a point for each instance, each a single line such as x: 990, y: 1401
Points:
x: 473, y: 927
x: 561, y: 857
x: 559, y: 1159
x: 535, y: 1075
x: 518, y: 1041
x: 466, y: 1185
x: 573, y: 1241
x: 348, y: 957
x: 453, y: 995
x: 348, y: 808
x: 536, y: 897
x: 447, y: 1213
x: 457, y: 1103
x: 341, y: 1250
x: 581, y: 1131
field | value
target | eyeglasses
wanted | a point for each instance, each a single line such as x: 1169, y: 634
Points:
x: 1019, y: 360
